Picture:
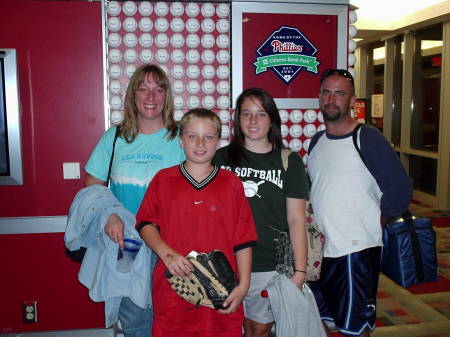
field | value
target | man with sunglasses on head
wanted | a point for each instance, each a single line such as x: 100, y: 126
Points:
x: 353, y: 195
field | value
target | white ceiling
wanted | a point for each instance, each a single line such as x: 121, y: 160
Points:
x: 381, y: 16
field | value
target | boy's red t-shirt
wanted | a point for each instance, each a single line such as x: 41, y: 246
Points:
x: 213, y: 214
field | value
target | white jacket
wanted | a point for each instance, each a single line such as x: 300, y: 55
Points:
x: 87, y: 217
x: 295, y: 310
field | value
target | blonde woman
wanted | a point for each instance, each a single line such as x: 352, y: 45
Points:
x: 146, y: 142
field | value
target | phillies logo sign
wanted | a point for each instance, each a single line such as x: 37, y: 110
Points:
x: 286, y: 52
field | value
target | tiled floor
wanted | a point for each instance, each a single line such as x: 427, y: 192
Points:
x: 401, y: 313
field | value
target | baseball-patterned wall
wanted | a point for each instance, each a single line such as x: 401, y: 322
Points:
x: 191, y: 42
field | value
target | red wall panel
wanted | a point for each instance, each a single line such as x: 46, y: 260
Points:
x: 34, y: 268
x: 59, y: 49
x: 306, y: 84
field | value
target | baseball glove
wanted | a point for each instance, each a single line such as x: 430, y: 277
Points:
x: 210, y: 282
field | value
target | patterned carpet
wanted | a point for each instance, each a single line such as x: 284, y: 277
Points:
x: 427, y: 211
x: 422, y: 310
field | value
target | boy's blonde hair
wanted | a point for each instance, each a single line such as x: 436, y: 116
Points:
x: 202, y: 114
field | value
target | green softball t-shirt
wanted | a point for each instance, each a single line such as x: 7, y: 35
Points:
x: 266, y: 186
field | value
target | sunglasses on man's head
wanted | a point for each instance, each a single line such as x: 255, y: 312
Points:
x: 339, y: 72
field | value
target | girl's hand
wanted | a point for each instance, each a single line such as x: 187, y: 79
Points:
x: 298, y: 278
x: 235, y: 299
x: 177, y: 264
x: 114, y: 229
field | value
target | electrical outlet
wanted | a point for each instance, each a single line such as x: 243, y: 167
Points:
x: 29, y: 311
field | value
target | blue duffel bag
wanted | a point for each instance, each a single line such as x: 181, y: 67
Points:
x: 409, y: 252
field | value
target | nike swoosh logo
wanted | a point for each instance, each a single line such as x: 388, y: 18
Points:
x: 198, y: 202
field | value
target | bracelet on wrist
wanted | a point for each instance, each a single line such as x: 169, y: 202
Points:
x: 300, y: 271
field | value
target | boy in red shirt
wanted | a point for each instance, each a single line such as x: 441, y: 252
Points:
x: 197, y: 207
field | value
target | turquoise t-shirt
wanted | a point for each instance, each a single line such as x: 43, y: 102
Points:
x: 134, y: 165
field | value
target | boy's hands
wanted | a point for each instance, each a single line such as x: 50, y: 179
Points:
x: 177, y: 264
x: 210, y: 280
x: 235, y: 299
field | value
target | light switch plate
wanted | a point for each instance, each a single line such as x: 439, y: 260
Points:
x: 71, y: 170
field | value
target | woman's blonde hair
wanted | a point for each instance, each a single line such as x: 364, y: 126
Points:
x: 129, y: 128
